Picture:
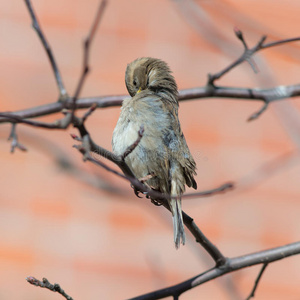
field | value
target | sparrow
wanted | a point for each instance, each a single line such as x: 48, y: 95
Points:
x: 162, y: 159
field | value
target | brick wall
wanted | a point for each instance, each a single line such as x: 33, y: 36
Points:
x: 56, y: 223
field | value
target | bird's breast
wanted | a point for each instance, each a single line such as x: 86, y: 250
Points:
x: 126, y: 131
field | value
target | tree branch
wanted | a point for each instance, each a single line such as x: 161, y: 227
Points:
x: 232, y: 264
x: 248, y: 52
x: 14, y: 140
x: 245, y: 56
x: 86, y: 53
x: 221, y: 189
x: 46, y: 284
x: 63, y: 95
x: 251, y: 295
x: 205, y: 92
x: 58, y: 124
x: 134, y: 145
x: 212, y: 250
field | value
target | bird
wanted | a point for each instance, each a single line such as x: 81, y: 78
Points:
x: 161, y: 159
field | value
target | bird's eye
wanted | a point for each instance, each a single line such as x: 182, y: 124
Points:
x: 134, y: 82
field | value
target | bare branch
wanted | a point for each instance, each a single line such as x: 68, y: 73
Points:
x: 248, y: 52
x: 245, y: 56
x: 205, y: 92
x: 208, y: 91
x: 212, y: 250
x: 58, y: 124
x: 86, y: 53
x: 280, y: 42
x: 232, y: 264
x: 250, y: 60
x: 46, y: 284
x: 134, y: 145
x: 221, y: 189
x: 255, y: 115
x: 257, y: 281
x: 63, y: 95
x: 240, y: 36
x: 89, y: 112
x: 14, y: 140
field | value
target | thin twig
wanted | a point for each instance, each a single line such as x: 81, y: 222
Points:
x: 240, y: 36
x: 63, y: 95
x: 221, y: 189
x: 14, y: 140
x: 250, y: 60
x: 86, y: 53
x: 246, y: 54
x: 278, y: 43
x: 252, y: 294
x: 46, y: 284
x: 89, y: 112
x: 134, y: 145
x: 58, y: 124
x: 255, y: 115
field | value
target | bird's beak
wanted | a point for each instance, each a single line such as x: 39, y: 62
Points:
x: 139, y: 90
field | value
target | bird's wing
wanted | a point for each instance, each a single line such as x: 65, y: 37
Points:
x: 177, y: 147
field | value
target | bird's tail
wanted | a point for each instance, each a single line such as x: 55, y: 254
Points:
x: 175, y: 205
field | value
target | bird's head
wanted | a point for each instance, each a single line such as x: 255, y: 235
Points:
x: 149, y: 73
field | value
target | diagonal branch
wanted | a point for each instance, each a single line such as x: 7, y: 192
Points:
x: 134, y: 145
x: 257, y: 281
x: 86, y: 52
x: 259, y: 112
x: 212, y: 250
x: 46, y: 284
x: 63, y: 95
x: 232, y: 264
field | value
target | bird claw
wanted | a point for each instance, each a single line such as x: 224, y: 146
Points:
x: 156, y: 203
x: 136, y: 191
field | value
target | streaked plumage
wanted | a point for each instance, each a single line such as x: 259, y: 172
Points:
x: 162, y: 151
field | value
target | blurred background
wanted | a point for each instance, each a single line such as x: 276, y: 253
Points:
x: 79, y: 226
